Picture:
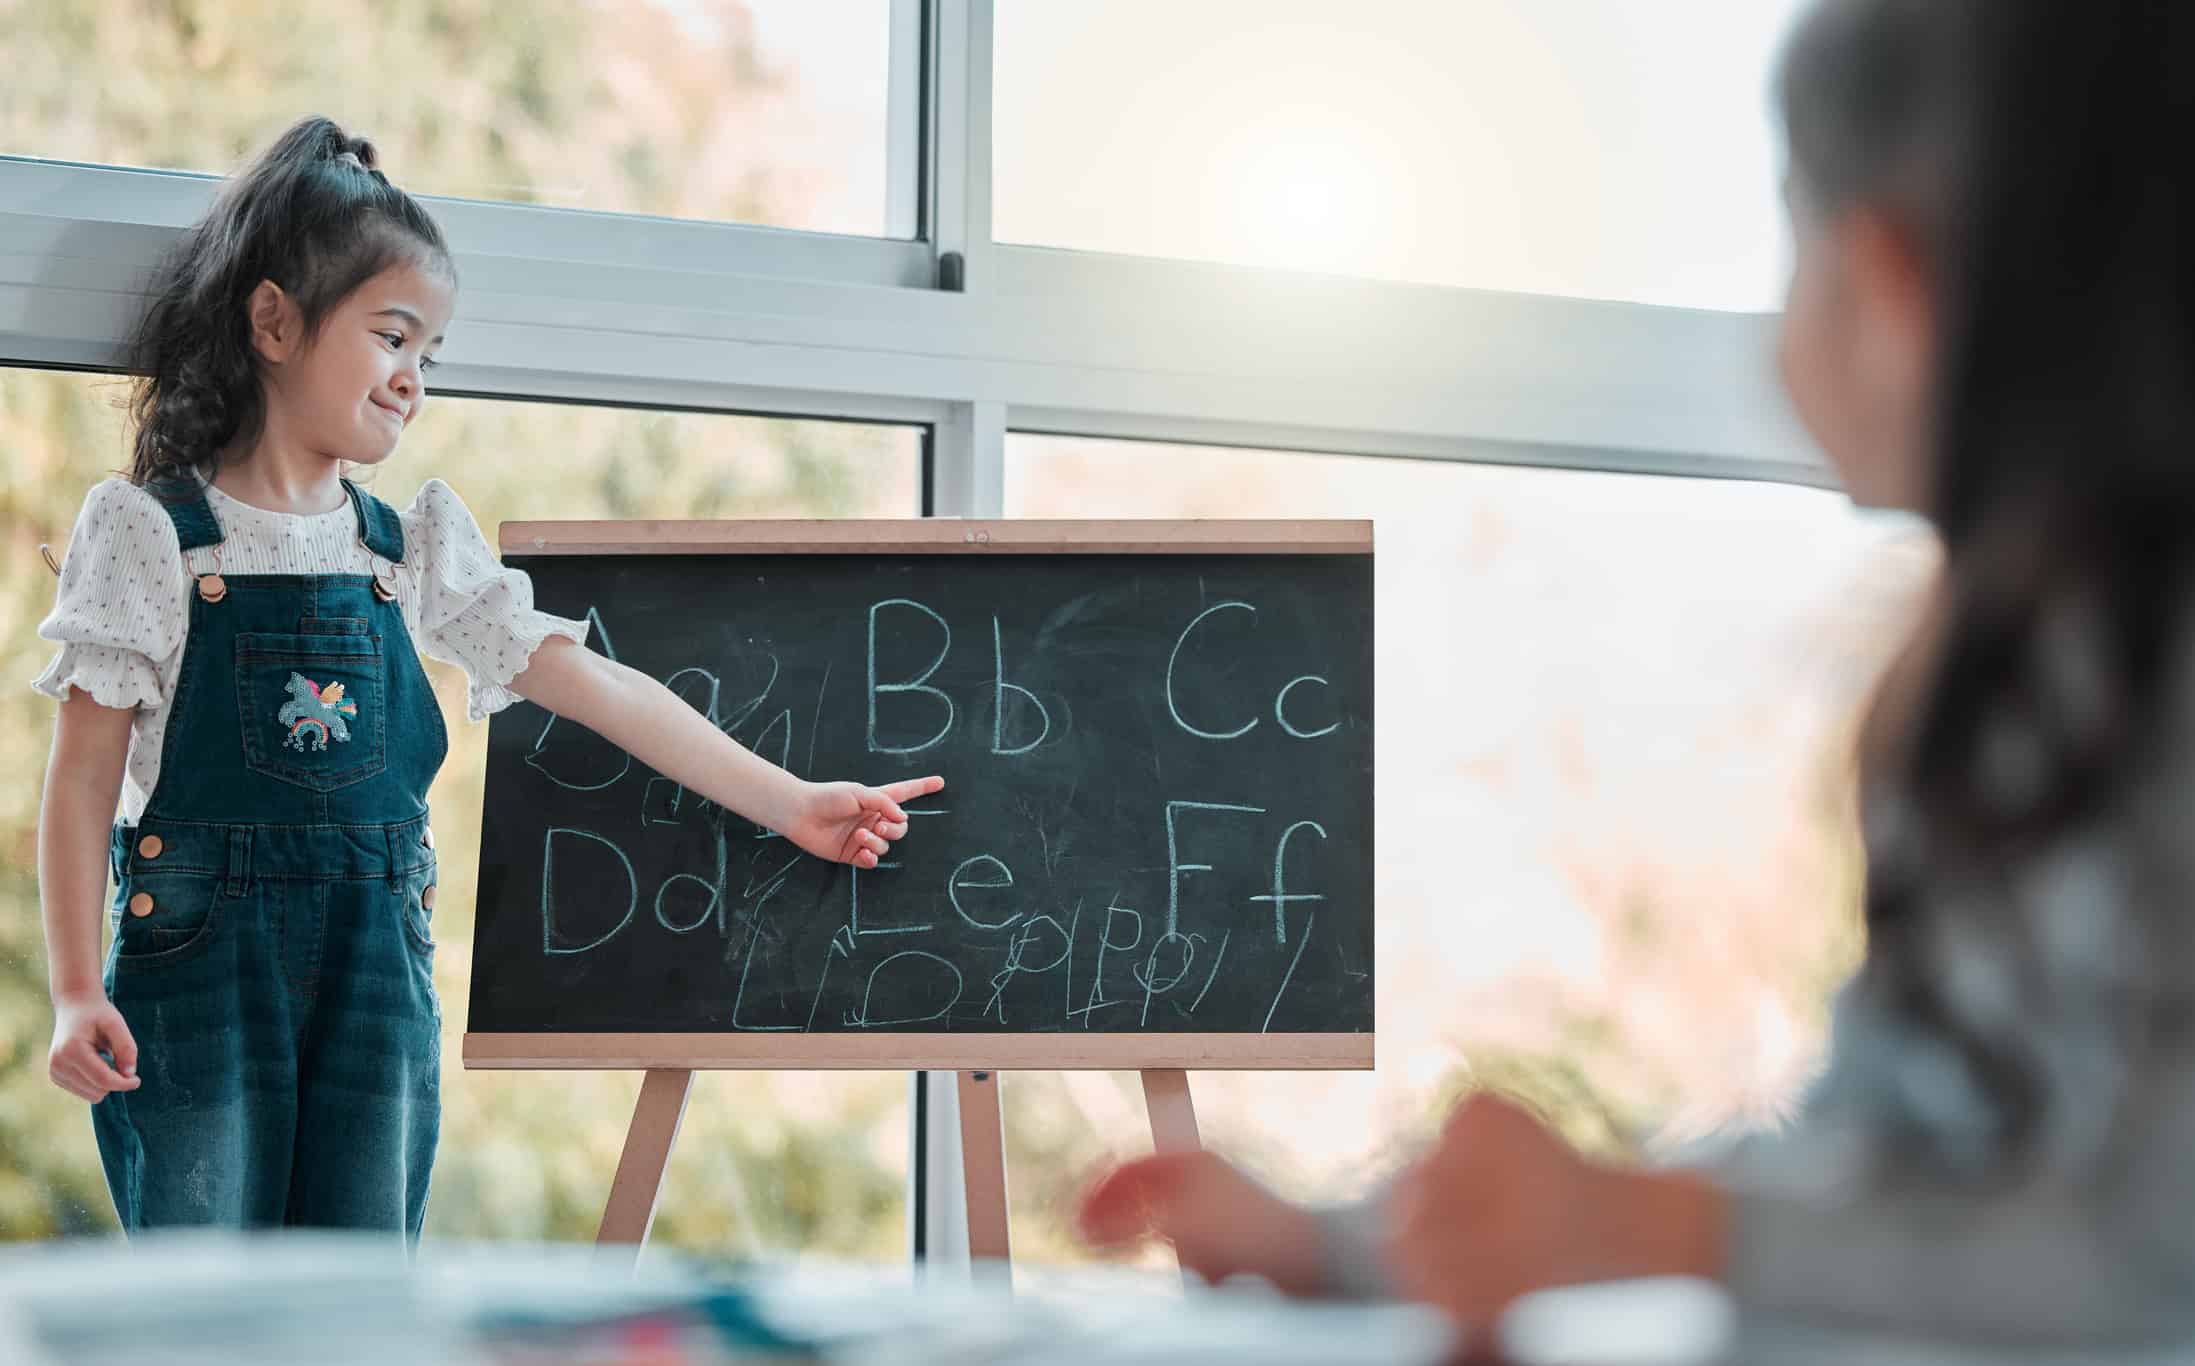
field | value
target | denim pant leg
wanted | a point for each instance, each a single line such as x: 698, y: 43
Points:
x: 369, y: 1095
x: 205, y: 1137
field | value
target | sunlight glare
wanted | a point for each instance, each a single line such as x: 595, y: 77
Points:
x: 1303, y: 194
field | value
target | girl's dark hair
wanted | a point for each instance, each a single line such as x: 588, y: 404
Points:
x: 2042, y: 148
x: 314, y: 214
x: 2044, y: 145
x: 1876, y: 97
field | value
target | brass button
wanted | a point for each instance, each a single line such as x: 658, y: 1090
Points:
x: 141, y: 904
x: 426, y: 898
x: 212, y: 587
x: 150, y: 847
x: 427, y: 838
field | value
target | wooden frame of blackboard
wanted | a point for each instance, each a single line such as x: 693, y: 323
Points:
x: 669, y: 1060
x: 1067, y: 1051
x: 938, y: 536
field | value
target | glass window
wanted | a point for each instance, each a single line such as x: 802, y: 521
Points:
x: 1618, y: 865
x: 753, y: 111
x: 1595, y: 148
x: 776, y: 1162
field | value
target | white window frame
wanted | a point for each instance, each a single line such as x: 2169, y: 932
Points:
x: 651, y: 312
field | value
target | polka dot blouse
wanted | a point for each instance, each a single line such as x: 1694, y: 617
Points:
x: 123, y: 609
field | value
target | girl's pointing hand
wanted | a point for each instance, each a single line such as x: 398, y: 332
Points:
x: 851, y: 822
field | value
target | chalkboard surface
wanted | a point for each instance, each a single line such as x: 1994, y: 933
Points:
x: 1157, y: 819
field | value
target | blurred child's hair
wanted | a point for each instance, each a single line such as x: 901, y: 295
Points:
x: 1876, y: 97
x: 306, y: 216
x: 2041, y: 148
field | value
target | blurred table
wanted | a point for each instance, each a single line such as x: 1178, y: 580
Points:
x: 197, y: 1299
x: 337, y: 1300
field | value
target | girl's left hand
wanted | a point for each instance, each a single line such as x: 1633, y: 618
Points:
x: 1501, y: 1207
x: 850, y: 822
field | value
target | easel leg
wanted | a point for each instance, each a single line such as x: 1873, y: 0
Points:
x: 631, y: 1207
x: 983, y: 1168
x: 1173, y: 1117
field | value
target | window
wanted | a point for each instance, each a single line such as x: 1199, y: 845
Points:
x: 1618, y: 867
x: 1596, y: 148
x: 767, y: 1161
x: 769, y: 112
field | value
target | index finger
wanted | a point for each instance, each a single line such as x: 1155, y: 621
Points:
x: 907, y: 789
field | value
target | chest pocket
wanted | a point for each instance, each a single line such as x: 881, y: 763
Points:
x: 312, y: 707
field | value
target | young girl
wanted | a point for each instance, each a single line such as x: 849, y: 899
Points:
x: 1991, y: 321
x: 238, y: 627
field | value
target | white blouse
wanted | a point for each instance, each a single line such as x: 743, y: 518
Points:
x: 123, y: 608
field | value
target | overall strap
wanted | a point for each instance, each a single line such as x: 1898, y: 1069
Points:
x: 185, y: 501
x: 378, y: 524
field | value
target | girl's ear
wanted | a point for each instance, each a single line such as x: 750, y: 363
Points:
x: 1888, y: 272
x: 276, y: 324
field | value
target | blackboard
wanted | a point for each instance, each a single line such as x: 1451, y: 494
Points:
x: 1154, y: 849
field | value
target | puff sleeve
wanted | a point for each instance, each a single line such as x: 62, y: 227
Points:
x: 473, y: 612
x: 122, y: 607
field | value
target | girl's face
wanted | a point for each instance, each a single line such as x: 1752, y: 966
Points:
x: 1857, y: 350
x: 351, y: 391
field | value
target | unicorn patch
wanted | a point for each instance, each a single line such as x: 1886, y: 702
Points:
x: 316, y: 713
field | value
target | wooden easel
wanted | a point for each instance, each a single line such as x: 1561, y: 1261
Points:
x: 669, y: 1061
x: 630, y: 1211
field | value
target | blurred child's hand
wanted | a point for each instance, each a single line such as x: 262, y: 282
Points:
x: 1501, y: 1207
x: 1220, y: 1221
x: 84, y: 1026
x: 850, y: 823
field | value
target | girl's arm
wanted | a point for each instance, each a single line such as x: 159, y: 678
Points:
x: 83, y: 778
x: 1806, y: 1244
x: 1498, y: 1207
x: 848, y: 822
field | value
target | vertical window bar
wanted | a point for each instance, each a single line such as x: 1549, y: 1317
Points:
x: 906, y: 97
x: 960, y: 139
x: 964, y: 466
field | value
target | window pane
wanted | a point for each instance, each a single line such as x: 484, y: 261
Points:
x: 767, y: 1162
x: 751, y: 111
x: 1617, y: 863
x: 1596, y: 148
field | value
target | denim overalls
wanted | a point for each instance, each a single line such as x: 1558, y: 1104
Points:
x: 271, y: 950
